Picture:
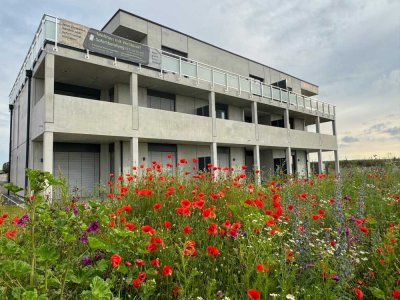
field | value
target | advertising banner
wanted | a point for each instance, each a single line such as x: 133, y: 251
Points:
x: 96, y: 41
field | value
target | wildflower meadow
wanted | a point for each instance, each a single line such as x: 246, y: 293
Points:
x: 158, y: 234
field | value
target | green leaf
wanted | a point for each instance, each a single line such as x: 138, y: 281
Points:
x: 101, y: 265
x: 46, y: 253
x: 33, y: 295
x: 17, y: 268
x: 379, y: 294
x: 12, y: 187
x: 95, y: 243
x: 100, y: 289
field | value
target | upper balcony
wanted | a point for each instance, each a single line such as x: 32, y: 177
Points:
x: 52, y: 29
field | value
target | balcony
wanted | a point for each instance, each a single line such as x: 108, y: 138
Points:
x: 169, y: 125
x: 84, y: 116
x: 49, y: 28
x: 240, y: 132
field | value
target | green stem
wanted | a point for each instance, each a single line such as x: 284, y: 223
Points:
x: 63, y: 284
x: 33, y: 262
x: 45, y: 277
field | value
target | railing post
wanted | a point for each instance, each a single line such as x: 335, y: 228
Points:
x: 280, y: 95
x: 297, y: 101
x: 251, y: 88
x: 239, y: 85
x: 212, y: 77
x: 180, y: 67
x: 226, y: 82
x: 262, y: 90
x: 197, y: 72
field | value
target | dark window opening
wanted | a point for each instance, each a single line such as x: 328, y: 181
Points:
x: 280, y: 84
x: 160, y: 100
x: 173, y: 51
x: 281, y: 123
x: 248, y: 119
x: 203, y: 163
x: 76, y: 147
x: 256, y: 78
x: 203, y: 111
x: 76, y: 91
x: 221, y: 111
x: 111, y: 95
x: 280, y: 165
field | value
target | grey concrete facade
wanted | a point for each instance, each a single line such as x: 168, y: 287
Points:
x: 251, y: 130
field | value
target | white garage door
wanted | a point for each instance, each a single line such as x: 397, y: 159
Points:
x: 81, y: 170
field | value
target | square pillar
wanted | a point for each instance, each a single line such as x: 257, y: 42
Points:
x: 289, y: 161
x: 286, y: 118
x: 320, y: 161
x: 134, y: 95
x: 48, y: 151
x: 254, y: 116
x: 334, y: 130
x: 337, y: 167
x: 257, y: 164
x: 134, y: 151
x: 212, y: 113
x: 317, y: 124
x: 49, y: 87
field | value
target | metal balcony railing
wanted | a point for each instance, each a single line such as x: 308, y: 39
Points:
x: 48, y: 31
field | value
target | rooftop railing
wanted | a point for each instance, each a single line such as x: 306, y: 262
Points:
x: 48, y: 31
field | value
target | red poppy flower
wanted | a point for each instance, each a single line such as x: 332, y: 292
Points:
x: 11, y: 233
x: 253, y: 294
x: 396, y: 294
x: 151, y: 247
x: 167, y: 224
x: 211, y: 250
x: 157, y: 206
x: 212, y: 228
x: 187, y: 229
x: 136, y: 282
x: 359, y: 293
x: 149, y: 229
x: 115, y: 260
x: 333, y: 243
x: 270, y: 222
x: 364, y: 229
x: 315, y: 217
x: 166, y: 270
x: 139, y: 262
x: 142, y: 276
x: 155, y: 262
x: 130, y: 226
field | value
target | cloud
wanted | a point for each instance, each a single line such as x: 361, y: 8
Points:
x: 349, y: 139
x: 394, y: 131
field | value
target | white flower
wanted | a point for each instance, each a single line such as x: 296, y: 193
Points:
x: 290, y: 297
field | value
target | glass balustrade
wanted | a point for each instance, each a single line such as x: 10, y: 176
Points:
x: 171, y: 63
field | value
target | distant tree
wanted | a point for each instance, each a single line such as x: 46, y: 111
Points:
x: 6, y: 167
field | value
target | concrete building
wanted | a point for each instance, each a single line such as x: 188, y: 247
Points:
x: 89, y: 102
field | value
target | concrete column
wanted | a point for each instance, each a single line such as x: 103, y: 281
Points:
x: 214, y: 157
x: 254, y: 117
x: 48, y: 151
x: 212, y: 112
x: 289, y: 160
x: 117, y: 158
x: 320, y: 161
x: 286, y: 118
x: 334, y: 130
x: 134, y: 151
x: 317, y: 124
x: 257, y: 164
x: 49, y: 87
x: 337, y: 167
x: 104, y: 163
x: 134, y: 95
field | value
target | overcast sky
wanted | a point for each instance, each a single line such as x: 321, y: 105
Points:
x: 350, y: 49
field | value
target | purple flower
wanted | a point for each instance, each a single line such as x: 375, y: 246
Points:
x: 75, y: 210
x: 23, y: 220
x: 86, y: 261
x: 336, y: 278
x: 83, y: 238
x: 93, y: 227
x: 100, y: 253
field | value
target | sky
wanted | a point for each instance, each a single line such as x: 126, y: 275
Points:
x: 350, y: 49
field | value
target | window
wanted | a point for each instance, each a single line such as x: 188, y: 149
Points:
x: 281, y: 123
x: 76, y: 91
x: 203, y: 163
x: 203, y: 111
x: 256, y: 78
x: 160, y: 100
x: 173, y: 51
x: 280, y: 84
x: 221, y: 111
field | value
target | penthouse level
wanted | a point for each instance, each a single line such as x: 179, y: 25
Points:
x: 89, y: 102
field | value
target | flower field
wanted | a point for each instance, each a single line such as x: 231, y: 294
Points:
x: 195, y: 236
